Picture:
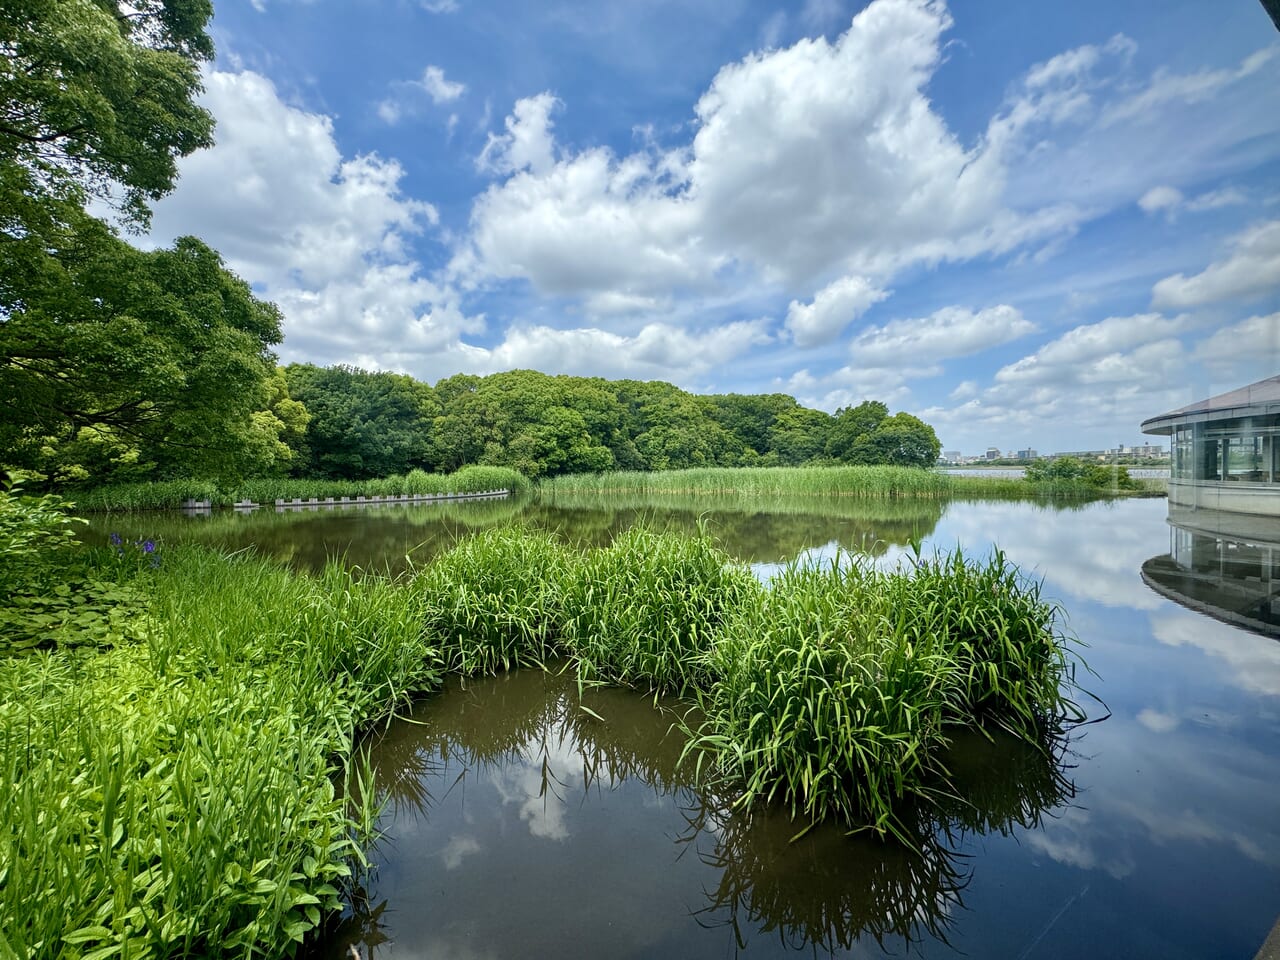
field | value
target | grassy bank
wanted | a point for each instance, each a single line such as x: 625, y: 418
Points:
x: 170, y: 494
x: 763, y: 484
x: 181, y: 792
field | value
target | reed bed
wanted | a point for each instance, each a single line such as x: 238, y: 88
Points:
x: 758, y: 485
x: 495, y: 601
x: 757, y: 482
x: 835, y: 691
x: 170, y: 494
x: 645, y: 610
x: 182, y: 796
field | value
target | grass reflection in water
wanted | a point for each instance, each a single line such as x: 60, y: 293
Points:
x: 823, y: 891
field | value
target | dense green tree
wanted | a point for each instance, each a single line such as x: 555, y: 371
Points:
x: 851, y: 424
x: 749, y: 418
x: 97, y: 100
x: 152, y: 361
x: 362, y: 424
x: 798, y: 435
x: 900, y: 440
x: 670, y: 428
x: 538, y: 424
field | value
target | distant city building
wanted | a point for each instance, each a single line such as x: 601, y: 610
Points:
x: 1226, y: 450
x: 1145, y: 451
x: 1027, y: 454
x: 993, y: 453
x: 953, y: 456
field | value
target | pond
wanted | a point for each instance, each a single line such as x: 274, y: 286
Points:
x: 521, y: 825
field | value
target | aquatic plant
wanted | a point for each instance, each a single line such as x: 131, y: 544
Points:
x: 494, y: 601
x: 645, y: 610
x: 176, y: 795
x: 765, y: 485
x: 171, y: 494
x: 835, y: 689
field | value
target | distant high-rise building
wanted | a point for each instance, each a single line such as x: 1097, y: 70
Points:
x: 993, y: 453
x: 1027, y: 454
x: 953, y: 456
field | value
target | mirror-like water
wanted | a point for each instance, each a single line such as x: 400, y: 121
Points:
x: 521, y: 826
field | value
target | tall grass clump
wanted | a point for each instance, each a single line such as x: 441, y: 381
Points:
x: 644, y: 611
x: 868, y: 482
x: 182, y: 794
x: 835, y: 690
x: 154, y: 495
x: 495, y: 601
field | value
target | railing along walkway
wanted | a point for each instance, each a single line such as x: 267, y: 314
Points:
x: 331, y: 503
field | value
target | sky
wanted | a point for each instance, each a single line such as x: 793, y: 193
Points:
x: 1030, y: 224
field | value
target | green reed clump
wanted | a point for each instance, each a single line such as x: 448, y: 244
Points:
x: 176, y: 795
x: 155, y: 495
x: 835, y: 690
x: 758, y: 482
x: 644, y: 611
x: 1011, y: 663
x: 495, y: 601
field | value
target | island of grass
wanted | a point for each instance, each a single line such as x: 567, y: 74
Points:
x: 178, y: 773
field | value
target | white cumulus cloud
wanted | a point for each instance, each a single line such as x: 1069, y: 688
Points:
x: 1252, y: 269
x: 832, y: 309
x: 945, y: 334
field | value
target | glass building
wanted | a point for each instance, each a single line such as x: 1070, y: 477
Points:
x: 1226, y: 450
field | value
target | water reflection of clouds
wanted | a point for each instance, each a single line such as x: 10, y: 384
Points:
x: 1068, y: 839
x: 1156, y: 721
x: 1157, y: 783
x: 535, y: 785
x: 1254, y: 660
x: 1087, y: 555
x: 458, y: 849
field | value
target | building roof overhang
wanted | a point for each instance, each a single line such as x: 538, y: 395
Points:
x: 1255, y: 400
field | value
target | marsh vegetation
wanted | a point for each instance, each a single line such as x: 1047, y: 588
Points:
x: 175, y: 752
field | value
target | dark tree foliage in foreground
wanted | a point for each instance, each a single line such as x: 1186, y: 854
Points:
x: 97, y: 101
x: 127, y: 364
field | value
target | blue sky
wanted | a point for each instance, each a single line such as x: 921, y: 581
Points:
x: 1031, y: 224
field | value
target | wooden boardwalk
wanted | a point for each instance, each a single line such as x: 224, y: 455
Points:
x: 333, y: 503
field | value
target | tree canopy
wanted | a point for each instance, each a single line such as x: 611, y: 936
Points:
x: 97, y: 100
x: 118, y: 358
x: 366, y: 424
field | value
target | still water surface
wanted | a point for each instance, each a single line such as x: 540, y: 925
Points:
x: 520, y: 826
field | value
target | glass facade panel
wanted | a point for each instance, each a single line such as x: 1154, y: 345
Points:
x: 1182, y: 460
x: 1244, y: 459
x: 1208, y: 458
x: 1245, y: 450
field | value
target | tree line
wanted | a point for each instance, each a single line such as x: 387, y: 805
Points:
x: 120, y: 365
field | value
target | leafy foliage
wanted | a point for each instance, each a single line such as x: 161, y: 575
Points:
x: 96, y: 101
x: 50, y: 597
x: 1070, y: 471
x: 125, y: 362
x: 835, y: 691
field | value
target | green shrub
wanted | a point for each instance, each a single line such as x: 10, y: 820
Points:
x: 1070, y: 471
x: 835, y: 690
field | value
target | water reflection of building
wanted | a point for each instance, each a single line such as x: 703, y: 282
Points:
x: 1226, y: 450
x: 1223, y: 564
